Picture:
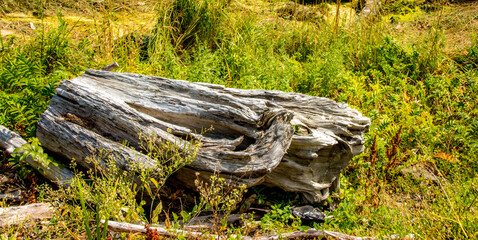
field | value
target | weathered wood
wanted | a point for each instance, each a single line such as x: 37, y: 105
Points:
x: 173, y: 233
x: 12, y: 196
x: 329, y: 135
x: 56, y: 173
x: 313, y: 234
x: 17, y: 215
x: 110, y: 67
x: 209, y: 222
x: 309, y: 234
x: 246, y: 135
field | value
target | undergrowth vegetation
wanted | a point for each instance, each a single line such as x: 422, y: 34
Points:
x: 418, y: 174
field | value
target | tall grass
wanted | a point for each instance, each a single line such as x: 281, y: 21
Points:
x: 185, y: 23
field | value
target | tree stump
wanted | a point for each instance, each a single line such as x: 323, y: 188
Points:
x: 290, y: 140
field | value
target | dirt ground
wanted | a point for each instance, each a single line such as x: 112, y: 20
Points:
x: 18, y: 185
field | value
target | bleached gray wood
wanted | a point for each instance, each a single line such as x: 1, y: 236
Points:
x: 252, y: 139
x: 173, y: 233
x: 19, y: 214
x: 329, y: 135
x: 100, y: 109
x: 15, y: 196
x: 110, y: 67
x: 312, y: 233
x: 58, y: 174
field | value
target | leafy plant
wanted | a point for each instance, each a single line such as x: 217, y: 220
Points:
x: 108, y: 194
x: 280, y: 219
x: 29, y: 76
x: 218, y: 196
x: 35, y: 151
x: 170, y: 157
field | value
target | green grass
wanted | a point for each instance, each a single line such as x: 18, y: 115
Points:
x: 415, y: 87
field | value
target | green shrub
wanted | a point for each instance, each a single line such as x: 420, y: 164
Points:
x: 389, y: 60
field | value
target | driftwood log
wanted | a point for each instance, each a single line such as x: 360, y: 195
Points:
x: 294, y: 141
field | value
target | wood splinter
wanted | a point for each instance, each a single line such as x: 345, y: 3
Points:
x: 110, y: 67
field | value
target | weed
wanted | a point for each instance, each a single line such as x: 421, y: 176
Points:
x: 110, y: 193
x: 169, y: 158
x: 280, y: 219
x: 218, y: 196
x: 392, y: 154
x: 106, y: 195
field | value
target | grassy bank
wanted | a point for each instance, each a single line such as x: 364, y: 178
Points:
x: 412, y: 69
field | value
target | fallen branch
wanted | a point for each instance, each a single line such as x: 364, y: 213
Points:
x: 309, y: 234
x: 209, y: 220
x: 16, y: 215
x: 128, y: 227
x: 10, y: 141
x: 13, y: 196
x: 313, y: 234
